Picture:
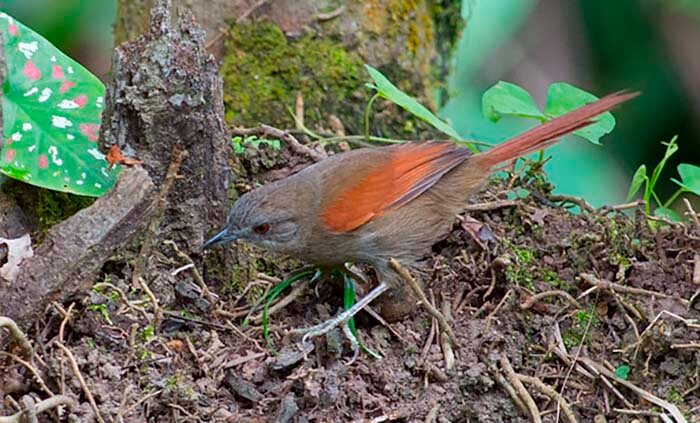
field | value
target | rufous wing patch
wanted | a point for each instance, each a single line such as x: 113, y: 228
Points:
x: 410, y: 170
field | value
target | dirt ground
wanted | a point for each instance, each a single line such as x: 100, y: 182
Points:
x: 531, y: 287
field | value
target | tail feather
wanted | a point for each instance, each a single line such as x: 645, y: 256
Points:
x: 549, y: 133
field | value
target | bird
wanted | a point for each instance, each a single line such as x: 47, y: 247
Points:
x: 382, y: 205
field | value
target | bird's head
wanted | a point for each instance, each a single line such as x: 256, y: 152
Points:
x: 263, y: 217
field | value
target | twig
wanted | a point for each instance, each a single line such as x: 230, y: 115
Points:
x: 648, y: 396
x: 500, y: 304
x: 159, y: 203
x: 18, y: 335
x: 285, y: 136
x: 551, y: 393
x: 490, y: 205
x: 696, y: 269
x: 444, y: 339
x: 520, y: 389
x: 508, y: 387
x: 297, y: 292
x: 693, y: 215
x: 580, y: 202
x: 31, y: 368
x: 578, y: 353
x: 40, y: 407
x: 542, y: 295
x: 615, y: 287
x: 123, y: 296
x: 83, y: 385
x: 195, y: 273
x: 406, y: 276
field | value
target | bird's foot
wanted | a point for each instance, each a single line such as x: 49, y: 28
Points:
x: 342, y: 320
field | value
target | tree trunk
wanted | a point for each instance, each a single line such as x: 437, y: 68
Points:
x: 307, y: 56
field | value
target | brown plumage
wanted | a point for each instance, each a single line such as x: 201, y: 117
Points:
x: 372, y: 204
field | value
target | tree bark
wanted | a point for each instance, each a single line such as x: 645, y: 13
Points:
x: 166, y: 95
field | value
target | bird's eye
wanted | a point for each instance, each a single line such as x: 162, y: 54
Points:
x: 262, y: 229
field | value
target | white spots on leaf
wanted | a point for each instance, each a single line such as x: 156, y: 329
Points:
x: 31, y: 148
x: 83, y: 175
x: 70, y: 69
x: 60, y: 122
x: 16, y: 136
x: 68, y: 104
x: 79, y: 182
x: 98, y: 185
x: 26, y: 126
x: 94, y: 152
x: 104, y: 171
x: 53, y: 59
x: 45, y: 94
x: 53, y: 151
x: 56, y: 173
x: 70, y: 136
x: 28, y: 49
x: 100, y: 101
x: 32, y: 91
x: 66, y: 179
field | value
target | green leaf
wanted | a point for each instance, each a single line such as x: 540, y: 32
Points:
x: 690, y: 177
x: 389, y: 91
x: 507, y: 99
x: 623, y: 372
x: 640, y: 176
x: 51, y: 116
x: 671, y: 148
x: 668, y: 214
x: 563, y: 98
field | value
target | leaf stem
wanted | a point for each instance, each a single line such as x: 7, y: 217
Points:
x: 368, y: 109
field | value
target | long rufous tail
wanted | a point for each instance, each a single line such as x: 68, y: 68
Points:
x: 549, y: 133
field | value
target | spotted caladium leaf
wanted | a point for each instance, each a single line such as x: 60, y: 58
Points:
x: 51, y: 116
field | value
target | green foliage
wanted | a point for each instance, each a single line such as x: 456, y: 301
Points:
x: 389, y: 91
x: 273, y: 294
x: 100, y: 309
x: 51, y: 117
x: 348, y: 302
x: 147, y: 333
x: 240, y: 144
x: 507, y: 99
x: 690, y: 178
x: 689, y: 183
x: 622, y: 372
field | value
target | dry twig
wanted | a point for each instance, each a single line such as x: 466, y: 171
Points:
x: 406, y: 276
x: 514, y: 381
x: 81, y: 380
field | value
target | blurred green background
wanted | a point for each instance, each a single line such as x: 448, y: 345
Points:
x: 601, y: 46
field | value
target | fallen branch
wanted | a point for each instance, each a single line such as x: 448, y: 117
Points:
x: 75, y: 249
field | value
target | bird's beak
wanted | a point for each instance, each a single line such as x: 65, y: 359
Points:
x: 223, y: 237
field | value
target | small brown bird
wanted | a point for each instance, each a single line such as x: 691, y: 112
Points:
x: 373, y: 204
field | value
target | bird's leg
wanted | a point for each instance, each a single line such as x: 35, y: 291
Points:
x: 442, y: 321
x: 330, y: 324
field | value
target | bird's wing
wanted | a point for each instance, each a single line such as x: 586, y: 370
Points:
x: 409, y: 170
